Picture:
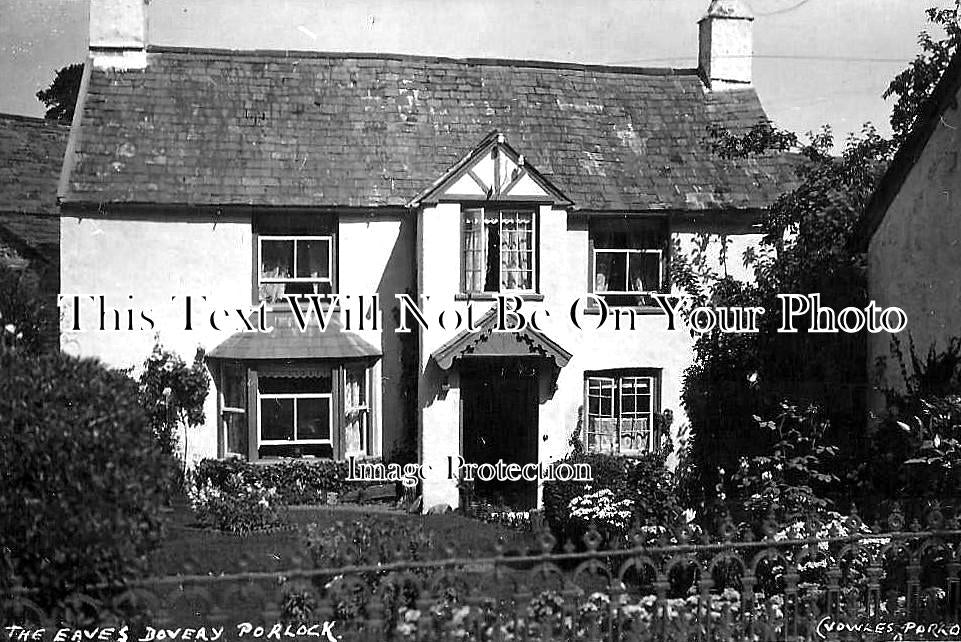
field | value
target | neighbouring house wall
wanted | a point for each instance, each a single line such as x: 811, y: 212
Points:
x: 153, y: 258
x: 914, y: 257
x: 563, y: 252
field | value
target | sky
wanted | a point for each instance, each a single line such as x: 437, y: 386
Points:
x: 816, y: 61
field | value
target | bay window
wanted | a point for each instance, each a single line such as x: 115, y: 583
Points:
x: 498, y: 250
x: 620, y: 409
x: 290, y: 409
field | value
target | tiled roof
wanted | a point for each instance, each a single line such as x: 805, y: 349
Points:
x: 212, y: 127
x: 39, y: 234
x: 31, y: 153
x: 287, y: 341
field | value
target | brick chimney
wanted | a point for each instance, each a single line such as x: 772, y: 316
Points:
x: 118, y: 33
x: 726, y: 42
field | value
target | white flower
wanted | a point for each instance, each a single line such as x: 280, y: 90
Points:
x: 10, y: 328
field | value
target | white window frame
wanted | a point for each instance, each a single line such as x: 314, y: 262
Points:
x: 261, y: 280
x: 627, y: 266
x: 365, y: 411
x: 230, y: 410
x: 617, y: 414
x: 500, y: 232
x: 302, y: 395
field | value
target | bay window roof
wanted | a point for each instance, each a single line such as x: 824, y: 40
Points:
x: 286, y: 341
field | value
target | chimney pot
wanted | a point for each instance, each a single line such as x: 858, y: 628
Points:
x: 118, y: 33
x: 726, y: 44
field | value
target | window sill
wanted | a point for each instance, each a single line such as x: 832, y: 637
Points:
x: 634, y: 454
x: 637, y: 309
x: 492, y: 296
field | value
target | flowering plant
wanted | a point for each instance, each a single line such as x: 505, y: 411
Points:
x: 239, y: 508
x: 600, y: 510
x: 173, y: 393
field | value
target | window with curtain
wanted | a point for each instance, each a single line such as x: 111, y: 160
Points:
x: 620, y: 412
x: 629, y: 260
x: 498, y: 250
x: 294, y: 265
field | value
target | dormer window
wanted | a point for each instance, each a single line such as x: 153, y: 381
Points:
x: 295, y: 254
x: 629, y: 260
x: 294, y: 265
x: 498, y: 250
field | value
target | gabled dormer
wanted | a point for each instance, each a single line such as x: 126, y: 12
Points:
x: 501, y: 198
x: 492, y: 172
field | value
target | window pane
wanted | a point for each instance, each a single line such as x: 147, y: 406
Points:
x: 493, y: 246
x: 313, y: 259
x: 473, y: 248
x: 645, y: 269
x: 294, y: 385
x: 276, y: 259
x: 302, y: 287
x: 355, y: 433
x: 355, y: 390
x: 277, y: 418
x: 235, y: 425
x: 517, y: 250
x: 635, y: 434
x: 610, y: 272
x: 313, y: 418
x: 601, y: 434
x: 235, y: 386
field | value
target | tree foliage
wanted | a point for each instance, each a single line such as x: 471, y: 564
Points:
x: 60, y: 97
x: 806, y: 248
x: 911, y: 87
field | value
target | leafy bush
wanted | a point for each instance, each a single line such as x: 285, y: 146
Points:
x: 296, y: 481
x: 237, y: 507
x: 644, y: 481
x: 82, y: 479
x: 173, y: 393
x: 790, y: 482
x: 27, y: 321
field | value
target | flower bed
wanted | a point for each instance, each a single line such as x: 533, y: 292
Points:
x: 295, y: 481
x: 236, y: 506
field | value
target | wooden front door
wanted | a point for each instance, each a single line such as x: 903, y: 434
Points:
x: 499, y: 399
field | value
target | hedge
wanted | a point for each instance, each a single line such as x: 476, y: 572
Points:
x: 296, y: 481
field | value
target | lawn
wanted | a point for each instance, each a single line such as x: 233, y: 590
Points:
x: 191, y: 550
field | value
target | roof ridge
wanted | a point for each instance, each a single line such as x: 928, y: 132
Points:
x: 512, y: 62
x: 32, y: 119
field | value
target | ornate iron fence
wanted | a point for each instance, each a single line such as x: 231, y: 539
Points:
x: 832, y: 581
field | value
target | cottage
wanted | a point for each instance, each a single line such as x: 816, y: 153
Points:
x: 911, y: 232
x: 249, y: 177
x: 31, y: 154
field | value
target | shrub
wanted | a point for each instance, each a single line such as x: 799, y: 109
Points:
x: 173, y: 393
x: 27, y: 320
x: 790, y: 482
x: 82, y: 477
x: 237, y: 507
x: 296, y: 481
x: 644, y: 482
